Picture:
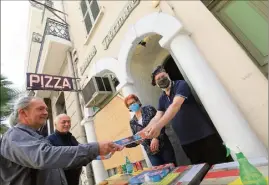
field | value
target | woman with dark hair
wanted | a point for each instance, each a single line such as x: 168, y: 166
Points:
x: 160, y: 150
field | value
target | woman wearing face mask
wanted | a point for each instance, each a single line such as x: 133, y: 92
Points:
x: 159, y: 150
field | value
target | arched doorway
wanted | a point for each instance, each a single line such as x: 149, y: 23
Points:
x: 144, y: 59
x: 176, y: 74
x: 225, y: 115
x: 171, y: 67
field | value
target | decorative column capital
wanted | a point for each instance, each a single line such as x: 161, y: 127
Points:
x: 88, y: 120
x: 166, y: 41
x: 88, y: 116
x: 125, y: 83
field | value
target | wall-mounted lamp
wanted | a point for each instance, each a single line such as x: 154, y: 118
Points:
x: 142, y: 43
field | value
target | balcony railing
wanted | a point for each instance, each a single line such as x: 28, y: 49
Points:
x: 40, y: 5
x: 56, y: 29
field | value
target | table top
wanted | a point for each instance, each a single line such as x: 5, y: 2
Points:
x: 183, y: 174
x: 224, y: 174
x: 228, y: 173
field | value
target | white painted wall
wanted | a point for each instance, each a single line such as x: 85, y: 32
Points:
x: 233, y: 67
x: 235, y: 70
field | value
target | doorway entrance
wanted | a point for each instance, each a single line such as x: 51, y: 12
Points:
x: 172, y: 69
x: 175, y: 74
x: 143, y: 61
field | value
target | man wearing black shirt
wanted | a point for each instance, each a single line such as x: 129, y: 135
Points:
x: 177, y: 105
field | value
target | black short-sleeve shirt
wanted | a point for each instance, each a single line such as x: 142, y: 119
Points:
x: 190, y: 123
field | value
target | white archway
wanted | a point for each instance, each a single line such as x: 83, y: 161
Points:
x: 108, y: 64
x: 227, y: 118
x: 155, y: 23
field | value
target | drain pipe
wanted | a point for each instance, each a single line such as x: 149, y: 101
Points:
x: 77, y: 100
x: 82, y: 134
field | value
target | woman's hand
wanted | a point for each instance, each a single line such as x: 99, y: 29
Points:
x: 154, y: 145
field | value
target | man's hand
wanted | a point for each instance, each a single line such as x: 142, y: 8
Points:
x: 154, y: 145
x: 153, y: 130
x: 109, y: 147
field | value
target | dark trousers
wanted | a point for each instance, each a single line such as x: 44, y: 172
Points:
x: 164, y: 156
x: 208, y: 150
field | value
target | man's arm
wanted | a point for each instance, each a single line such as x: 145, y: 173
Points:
x: 153, y: 112
x: 156, y: 118
x: 36, y: 153
x: 171, y: 111
x: 154, y: 130
x: 182, y: 92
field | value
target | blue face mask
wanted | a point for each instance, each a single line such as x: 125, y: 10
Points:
x: 134, y: 107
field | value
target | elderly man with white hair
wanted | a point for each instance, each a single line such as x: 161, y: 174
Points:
x: 62, y: 137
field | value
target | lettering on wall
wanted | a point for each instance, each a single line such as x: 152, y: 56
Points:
x: 131, y: 5
x: 49, y: 82
x: 88, y: 60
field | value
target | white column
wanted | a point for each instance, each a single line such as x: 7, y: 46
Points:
x: 99, y: 171
x: 129, y: 88
x: 227, y: 118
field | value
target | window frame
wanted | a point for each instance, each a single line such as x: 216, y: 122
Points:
x: 89, y: 12
x: 251, y: 50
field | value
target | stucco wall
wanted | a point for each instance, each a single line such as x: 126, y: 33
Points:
x: 112, y: 123
x: 245, y: 83
x: 243, y: 80
x: 78, y: 33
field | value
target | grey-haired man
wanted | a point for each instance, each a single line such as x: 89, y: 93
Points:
x: 27, y: 158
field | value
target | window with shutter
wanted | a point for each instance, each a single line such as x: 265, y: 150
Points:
x: 83, y: 7
x: 90, y: 10
x: 247, y: 23
x: 88, y: 23
x: 95, y: 9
